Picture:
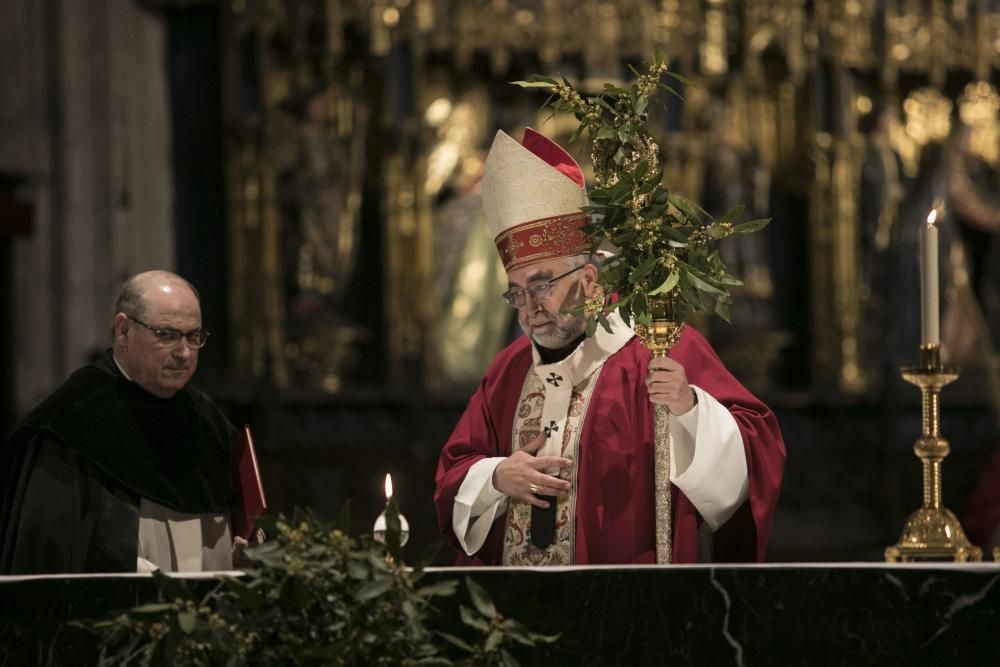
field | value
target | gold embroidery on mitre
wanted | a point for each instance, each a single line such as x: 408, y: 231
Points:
x: 513, y: 245
x: 546, y: 238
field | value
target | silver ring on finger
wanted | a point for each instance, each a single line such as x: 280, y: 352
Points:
x: 534, y: 487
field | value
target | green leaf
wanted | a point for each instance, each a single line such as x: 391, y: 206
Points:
x: 357, y: 570
x: 591, y: 327
x: 247, y: 597
x: 722, y: 310
x: 626, y: 239
x: 640, y: 305
x: 442, y: 588
x: 641, y: 103
x: 155, y: 609
x: 668, y: 284
x: 640, y: 171
x: 375, y: 588
x: 688, y: 294
x: 750, y: 227
x: 377, y: 560
x: 625, y: 312
x: 481, y: 599
x: 658, y: 56
x: 653, y: 212
x: 643, y: 270
x: 686, y: 81
x: 470, y: 618
x: 605, y: 133
x: 186, y: 620
x: 728, y: 279
x: 601, y: 103
x: 676, y: 238
x: 493, y: 641
x: 687, y: 207
x: 703, y: 282
x: 604, y: 323
x: 456, y: 641
x: 651, y: 184
x: 532, y: 84
x: 731, y: 215
x: 672, y: 91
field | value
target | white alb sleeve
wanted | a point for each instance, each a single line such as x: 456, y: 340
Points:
x: 708, y: 460
x: 477, y: 505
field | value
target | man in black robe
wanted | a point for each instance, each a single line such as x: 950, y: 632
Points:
x: 124, y: 467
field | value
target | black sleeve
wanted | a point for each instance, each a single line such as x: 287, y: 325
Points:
x: 60, y: 515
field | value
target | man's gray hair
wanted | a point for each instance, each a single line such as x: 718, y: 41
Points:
x: 586, y: 258
x: 131, y: 295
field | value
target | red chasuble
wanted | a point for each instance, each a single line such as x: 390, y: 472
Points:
x: 614, y: 503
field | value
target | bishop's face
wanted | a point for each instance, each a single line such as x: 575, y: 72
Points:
x: 543, y: 317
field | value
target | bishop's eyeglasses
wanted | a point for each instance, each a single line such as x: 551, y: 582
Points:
x: 168, y: 336
x: 517, y: 297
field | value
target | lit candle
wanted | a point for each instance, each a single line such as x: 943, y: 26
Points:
x: 380, y: 523
x: 930, y: 332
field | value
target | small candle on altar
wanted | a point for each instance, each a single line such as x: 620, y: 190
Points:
x: 378, y: 531
x: 930, y: 333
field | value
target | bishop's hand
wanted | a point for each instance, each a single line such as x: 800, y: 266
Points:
x: 521, y: 475
x: 667, y: 385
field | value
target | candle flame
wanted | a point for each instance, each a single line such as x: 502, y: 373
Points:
x: 388, y: 486
x: 932, y: 216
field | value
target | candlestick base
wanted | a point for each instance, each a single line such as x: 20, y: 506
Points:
x: 933, y: 534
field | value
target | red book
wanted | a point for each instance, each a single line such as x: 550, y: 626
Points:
x: 252, y: 502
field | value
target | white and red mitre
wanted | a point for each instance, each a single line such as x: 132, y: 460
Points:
x: 532, y: 194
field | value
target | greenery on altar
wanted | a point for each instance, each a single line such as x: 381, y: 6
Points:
x: 314, y: 595
x: 664, y: 243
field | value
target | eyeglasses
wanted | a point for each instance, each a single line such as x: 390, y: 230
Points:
x: 167, y: 336
x: 517, y: 298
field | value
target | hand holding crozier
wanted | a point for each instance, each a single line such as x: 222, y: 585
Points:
x: 667, y: 384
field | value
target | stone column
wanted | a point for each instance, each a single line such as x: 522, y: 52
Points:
x: 84, y: 116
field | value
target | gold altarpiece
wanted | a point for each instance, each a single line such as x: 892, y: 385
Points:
x: 347, y: 122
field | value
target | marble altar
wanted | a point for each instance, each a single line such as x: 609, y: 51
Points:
x: 772, y: 614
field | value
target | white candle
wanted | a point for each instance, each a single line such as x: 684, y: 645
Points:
x: 930, y: 332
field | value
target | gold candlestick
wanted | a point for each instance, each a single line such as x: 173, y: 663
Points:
x: 659, y: 339
x: 932, y: 532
